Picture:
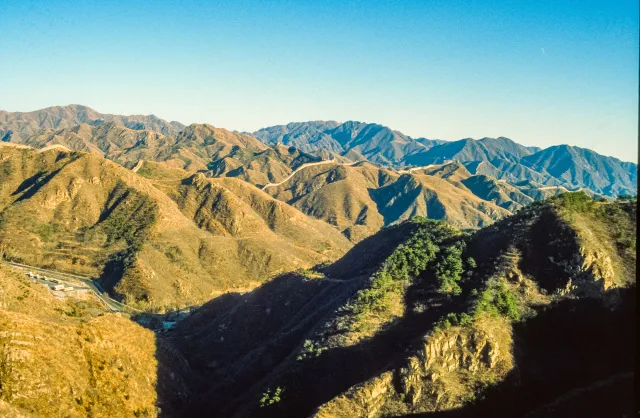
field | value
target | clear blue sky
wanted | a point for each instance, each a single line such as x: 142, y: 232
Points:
x: 540, y: 72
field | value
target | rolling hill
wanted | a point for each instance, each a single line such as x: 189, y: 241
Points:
x: 183, y: 242
x: 194, y: 148
x: 263, y: 167
x: 201, y: 147
x: 361, y: 198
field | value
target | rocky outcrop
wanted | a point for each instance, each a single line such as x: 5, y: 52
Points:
x: 365, y: 400
x: 445, y: 360
x: 590, y: 273
x: 442, y: 374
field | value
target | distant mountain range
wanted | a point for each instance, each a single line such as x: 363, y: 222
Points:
x: 18, y: 126
x: 561, y: 165
x: 254, y: 157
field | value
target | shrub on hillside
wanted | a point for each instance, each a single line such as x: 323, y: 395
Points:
x: 576, y: 201
x: 498, y: 299
x: 448, y: 270
x: 409, y: 260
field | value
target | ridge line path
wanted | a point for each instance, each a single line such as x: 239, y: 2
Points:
x: 562, y: 187
x: 90, y: 284
x: 137, y: 166
x: 303, y: 166
x: 424, y: 167
x: 293, y: 173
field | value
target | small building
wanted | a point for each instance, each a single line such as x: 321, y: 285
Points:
x: 58, y: 287
x: 68, y: 288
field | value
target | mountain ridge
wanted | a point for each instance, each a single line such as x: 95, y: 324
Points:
x: 186, y: 147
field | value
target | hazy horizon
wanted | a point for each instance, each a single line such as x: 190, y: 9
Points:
x: 541, y: 74
x: 322, y: 120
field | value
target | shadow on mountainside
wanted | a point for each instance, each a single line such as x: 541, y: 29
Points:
x: 219, y: 357
x: 225, y: 357
x: 312, y: 382
x: 235, y: 341
x: 575, y: 358
x: 237, y: 346
x: 573, y: 355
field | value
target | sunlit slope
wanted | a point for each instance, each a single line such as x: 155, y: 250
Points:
x: 80, y: 213
x: 70, y: 358
x: 361, y: 198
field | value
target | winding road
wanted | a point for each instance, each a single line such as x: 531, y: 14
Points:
x: 64, y: 278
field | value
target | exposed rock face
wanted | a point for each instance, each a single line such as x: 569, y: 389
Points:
x: 590, y: 273
x: 460, y: 350
x: 363, y: 401
x: 440, y: 375
x: 599, y: 265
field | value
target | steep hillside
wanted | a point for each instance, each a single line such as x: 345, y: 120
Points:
x: 305, y: 136
x: 339, y: 195
x: 511, y: 172
x: 501, y: 193
x: 198, y: 145
x: 69, y: 358
x: 269, y: 166
x: 182, y: 241
x: 515, y: 318
x: 19, y: 126
x: 580, y: 167
x: 485, y: 149
x: 355, y: 140
x: 109, y: 140
x: 194, y: 148
x: 361, y: 198
x: 435, y: 198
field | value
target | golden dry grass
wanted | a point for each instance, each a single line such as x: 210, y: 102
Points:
x: 53, y: 364
x: 206, y: 236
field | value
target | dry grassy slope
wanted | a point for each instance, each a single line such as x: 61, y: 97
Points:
x: 110, y: 140
x: 193, y: 148
x: 57, y: 361
x: 269, y: 166
x: 82, y: 210
x: 233, y: 208
x: 199, y: 144
x: 360, y: 199
x: 485, y: 187
x: 19, y: 126
x: 542, y: 257
x: 339, y: 195
x: 440, y: 199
